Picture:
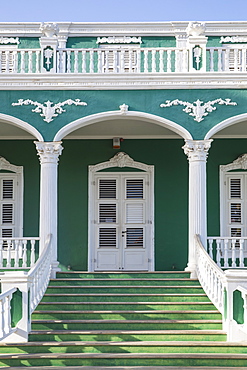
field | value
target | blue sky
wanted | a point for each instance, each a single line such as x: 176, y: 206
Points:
x: 124, y: 10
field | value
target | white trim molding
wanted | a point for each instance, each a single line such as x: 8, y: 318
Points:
x: 48, y: 110
x: 22, y: 125
x: 197, y: 109
x: 94, y: 118
x: 226, y: 123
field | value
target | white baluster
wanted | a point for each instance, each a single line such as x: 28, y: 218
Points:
x: 138, y: 61
x: 1, y: 55
x: 15, y: 61
x: 24, y: 255
x: 161, y: 61
x: 7, y: 315
x: 37, y: 58
x: 76, y: 61
x: 130, y: 61
x: 106, y: 61
x: 235, y: 60
x: 210, y: 242
x: 68, y: 61
x: 227, y: 56
x: 185, y: 61
x: 233, y: 253
x: 91, y: 64
x: 153, y: 60
x: 169, y: 60
x: 220, y: 60
x: 177, y: 61
x: 243, y: 60
x: 218, y: 252
x: 30, y: 61
x: 83, y: 54
x: 241, y: 253
x: 99, y: 53
x: 7, y: 61
x: 32, y: 252
x: 122, y: 54
x: 1, y: 253
x: 226, y: 264
x: 22, y: 61
x: 16, y: 251
x: 8, y: 253
x: 2, y: 317
x: 211, y: 59
x: 145, y: 61
x: 115, y: 56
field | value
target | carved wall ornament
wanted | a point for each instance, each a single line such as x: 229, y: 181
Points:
x: 9, y: 40
x: 197, y: 52
x: 48, y: 110
x: 197, y: 150
x: 7, y: 166
x: 196, y: 29
x: 119, y: 40
x: 49, y: 29
x: 197, y: 109
x: 49, y: 152
x: 233, y: 39
x: 124, y: 108
x: 237, y: 164
x: 121, y: 160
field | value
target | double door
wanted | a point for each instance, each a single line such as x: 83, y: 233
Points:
x: 121, y: 221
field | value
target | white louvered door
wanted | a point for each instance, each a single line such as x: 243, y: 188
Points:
x: 122, y: 221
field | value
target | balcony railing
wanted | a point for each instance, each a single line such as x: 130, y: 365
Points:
x: 120, y: 61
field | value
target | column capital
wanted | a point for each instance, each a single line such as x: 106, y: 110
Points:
x: 197, y: 150
x: 49, y: 152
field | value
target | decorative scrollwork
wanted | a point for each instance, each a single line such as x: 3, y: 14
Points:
x: 48, y: 110
x: 197, y: 109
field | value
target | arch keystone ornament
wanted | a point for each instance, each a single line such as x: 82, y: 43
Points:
x: 197, y: 109
x: 48, y: 110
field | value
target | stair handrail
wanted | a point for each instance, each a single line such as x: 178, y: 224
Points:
x: 211, y: 277
x: 39, y: 275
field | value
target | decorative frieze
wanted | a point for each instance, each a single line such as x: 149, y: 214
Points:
x: 198, y: 109
x: 233, y: 39
x: 124, y: 108
x: 48, y: 110
x: 9, y: 40
x: 237, y: 164
x: 119, y: 40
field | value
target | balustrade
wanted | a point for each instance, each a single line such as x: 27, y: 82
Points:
x: 18, y: 253
x: 228, y: 251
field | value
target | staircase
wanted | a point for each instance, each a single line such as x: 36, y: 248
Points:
x: 125, y: 321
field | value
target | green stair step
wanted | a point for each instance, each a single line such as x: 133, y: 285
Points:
x: 122, y: 275
x: 122, y: 347
x: 127, y: 335
x: 125, y: 282
x: 130, y: 297
x: 127, y: 315
x: 120, y: 359
x: 125, y: 306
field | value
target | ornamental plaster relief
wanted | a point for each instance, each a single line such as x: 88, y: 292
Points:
x: 119, y: 40
x: 9, y: 40
x: 48, y: 110
x: 237, y: 164
x: 197, y: 109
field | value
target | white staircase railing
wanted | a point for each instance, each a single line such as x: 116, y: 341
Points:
x: 228, y: 251
x: 18, y: 253
x: 30, y: 286
x: 226, y: 289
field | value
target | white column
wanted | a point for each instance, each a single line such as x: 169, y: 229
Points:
x: 197, y: 152
x: 48, y: 153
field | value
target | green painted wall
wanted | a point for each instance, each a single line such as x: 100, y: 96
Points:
x: 238, y: 307
x: 138, y: 100
x: 29, y: 43
x: 81, y: 42
x: 158, y: 42
x: 223, y: 151
x: 213, y: 41
x: 171, y: 189
x: 23, y: 153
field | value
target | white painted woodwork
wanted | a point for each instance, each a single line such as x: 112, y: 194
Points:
x: 49, y: 155
x: 197, y: 152
x: 18, y: 253
x: 121, y: 228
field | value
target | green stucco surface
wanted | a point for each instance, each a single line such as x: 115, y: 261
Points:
x: 29, y: 43
x: 147, y: 101
x: 238, y: 307
x: 81, y: 42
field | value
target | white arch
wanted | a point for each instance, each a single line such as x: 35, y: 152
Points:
x: 22, y: 124
x: 226, y: 123
x: 94, y: 118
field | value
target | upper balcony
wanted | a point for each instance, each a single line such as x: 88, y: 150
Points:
x: 126, y: 62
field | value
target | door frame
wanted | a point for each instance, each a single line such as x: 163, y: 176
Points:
x: 120, y: 160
